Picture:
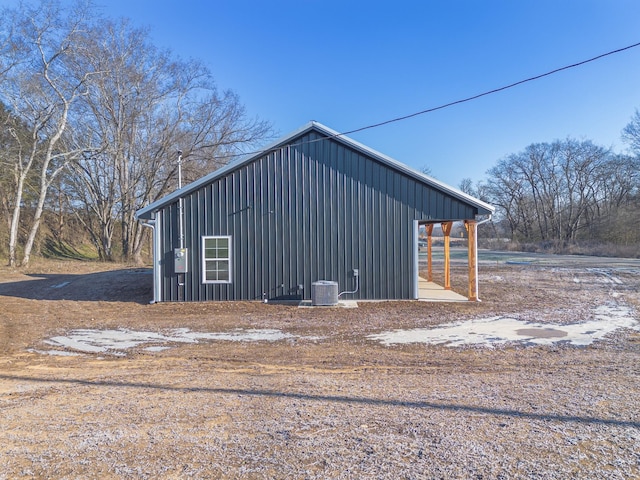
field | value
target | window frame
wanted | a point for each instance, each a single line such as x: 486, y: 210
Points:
x: 205, y: 260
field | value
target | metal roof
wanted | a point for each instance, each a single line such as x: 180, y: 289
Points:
x: 146, y: 212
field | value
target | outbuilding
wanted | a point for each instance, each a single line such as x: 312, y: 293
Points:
x: 314, y: 207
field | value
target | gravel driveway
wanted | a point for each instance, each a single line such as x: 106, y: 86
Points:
x: 320, y: 397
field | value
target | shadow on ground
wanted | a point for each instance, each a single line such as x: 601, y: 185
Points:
x: 345, y: 399
x: 125, y: 285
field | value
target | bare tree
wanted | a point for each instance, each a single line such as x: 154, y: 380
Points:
x: 40, y: 87
x: 142, y: 108
x: 559, y: 192
x: 631, y: 133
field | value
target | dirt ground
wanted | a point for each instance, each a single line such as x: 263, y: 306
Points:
x: 324, y: 401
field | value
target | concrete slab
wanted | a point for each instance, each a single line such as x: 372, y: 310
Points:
x: 341, y: 304
x: 432, y: 292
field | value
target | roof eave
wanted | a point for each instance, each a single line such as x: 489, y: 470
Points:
x: 483, y: 208
x: 145, y: 212
x: 488, y: 209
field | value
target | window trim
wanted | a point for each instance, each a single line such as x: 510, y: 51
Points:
x: 204, y: 260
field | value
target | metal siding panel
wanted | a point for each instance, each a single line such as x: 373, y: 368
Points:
x: 407, y: 215
x: 295, y: 273
x: 337, y: 218
x: 273, y: 230
x: 342, y: 205
x: 304, y: 203
x: 255, y: 246
x: 439, y: 205
x: 203, y: 210
x: 370, y: 208
x: 303, y: 213
x: 298, y: 195
x: 393, y: 232
x: 240, y: 237
x: 195, y: 220
x: 228, y: 218
x: 207, y: 229
x: 302, y: 187
x: 386, y: 234
x: 409, y: 185
x: 380, y: 218
x: 266, y: 223
x: 399, y: 249
x: 281, y: 219
x: 288, y: 220
x: 358, y: 215
x: 162, y: 264
x: 320, y: 207
x: 446, y: 209
x: 248, y: 243
x: 330, y: 223
x: 256, y: 238
x: 186, y: 206
x: 314, y: 249
x: 244, y: 244
x: 350, y: 217
x: 366, y: 232
x: 171, y: 243
x: 329, y: 230
x: 234, y: 228
x: 419, y: 199
x: 262, y: 238
x: 217, y: 195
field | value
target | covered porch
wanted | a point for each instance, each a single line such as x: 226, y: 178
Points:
x: 438, y: 289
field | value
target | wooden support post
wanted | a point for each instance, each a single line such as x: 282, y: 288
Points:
x: 446, y: 229
x: 472, y: 248
x: 429, y: 229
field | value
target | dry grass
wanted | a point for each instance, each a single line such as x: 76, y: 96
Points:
x: 327, y: 403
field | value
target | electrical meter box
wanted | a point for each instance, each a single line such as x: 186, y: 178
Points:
x: 180, y: 260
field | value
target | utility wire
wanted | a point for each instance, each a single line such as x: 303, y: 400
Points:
x: 490, y: 92
x: 464, y: 100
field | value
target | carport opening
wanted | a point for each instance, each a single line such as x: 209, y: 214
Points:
x: 439, y: 244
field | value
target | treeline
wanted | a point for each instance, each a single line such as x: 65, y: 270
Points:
x: 568, y: 193
x: 92, y: 115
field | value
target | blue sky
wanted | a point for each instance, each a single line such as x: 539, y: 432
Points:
x: 349, y: 64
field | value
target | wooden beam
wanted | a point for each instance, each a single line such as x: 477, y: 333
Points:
x: 472, y: 248
x: 446, y: 229
x: 429, y: 229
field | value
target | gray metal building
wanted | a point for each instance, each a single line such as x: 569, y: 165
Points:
x: 313, y: 206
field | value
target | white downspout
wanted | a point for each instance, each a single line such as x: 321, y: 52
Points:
x: 475, y: 239
x: 416, y: 259
x: 156, y: 258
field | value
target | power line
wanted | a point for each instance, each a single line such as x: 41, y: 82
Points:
x: 495, y: 90
x: 464, y: 100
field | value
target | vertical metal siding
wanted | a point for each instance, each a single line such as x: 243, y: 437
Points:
x: 309, y: 211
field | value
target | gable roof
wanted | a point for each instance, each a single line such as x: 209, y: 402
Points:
x: 483, y: 208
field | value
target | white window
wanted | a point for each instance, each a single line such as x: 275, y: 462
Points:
x: 216, y: 259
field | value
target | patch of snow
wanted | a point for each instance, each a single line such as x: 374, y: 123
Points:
x: 115, y: 341
x: 156, y: 349
x: 60, y: 353
x: 609, y: 278
x: 500, y: 330
x: 100, y: 341
x: 240, y: 335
